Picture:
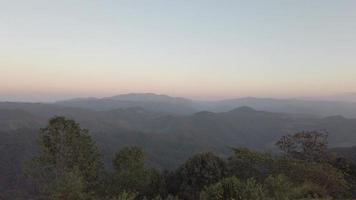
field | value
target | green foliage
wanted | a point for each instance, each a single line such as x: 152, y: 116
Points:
x: 280, y: 188
x: 125, y: 196
x: 348, y: 168
x: 169, y: 197
x: 199, y: 171
x: 65, y: 151
x: 246, y: 163
x: 274, y: 188
x: 325, y: 179
x: 233, y: 189
x: 69, y: 167
x: 131, y: 173
x: 309, y: 190
x: 157, y: 184
x: 69, y: 187
x: 308, y: 163
x: 129, y: 158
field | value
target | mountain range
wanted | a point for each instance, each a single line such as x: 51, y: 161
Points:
x: 176, y: 105
x: 179, y: 127
x: 173, y: 129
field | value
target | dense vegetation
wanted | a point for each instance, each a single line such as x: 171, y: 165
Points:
x: 69, y: 166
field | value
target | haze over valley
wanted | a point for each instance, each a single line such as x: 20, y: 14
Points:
x: 170, y: 121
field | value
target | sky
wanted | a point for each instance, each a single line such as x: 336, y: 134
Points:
x: 204, y: 49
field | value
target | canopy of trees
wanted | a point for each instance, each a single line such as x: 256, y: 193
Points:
x: 69, y: 167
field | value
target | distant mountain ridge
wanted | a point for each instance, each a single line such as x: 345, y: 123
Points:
x: 149, y: 97
x: 243, y: 126
x: 296, y: 106
x: 148, y: 101
x: 177, y: 105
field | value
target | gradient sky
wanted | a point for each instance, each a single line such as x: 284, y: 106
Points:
x: 195, y: 48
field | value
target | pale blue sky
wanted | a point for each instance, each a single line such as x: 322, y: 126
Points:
x: 202, y: 49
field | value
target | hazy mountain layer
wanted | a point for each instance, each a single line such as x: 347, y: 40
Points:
x: 169, y: 139
x: 178, y: 136
x: 174, y: 105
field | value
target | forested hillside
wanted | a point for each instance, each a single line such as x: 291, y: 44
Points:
x: 66, y: 164
x: 168, y: 138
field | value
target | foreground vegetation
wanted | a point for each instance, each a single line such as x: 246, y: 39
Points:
x: 69, y: 167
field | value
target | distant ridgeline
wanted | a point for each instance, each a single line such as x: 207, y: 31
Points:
x: 177, y: 105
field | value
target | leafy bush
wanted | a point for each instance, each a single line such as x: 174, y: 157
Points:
x: 245, y: 163
x: 233, y: 188
x: 280, y: 188
x: 329, y: 180
x: 198, y: 172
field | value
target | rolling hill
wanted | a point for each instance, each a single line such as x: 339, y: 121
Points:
x: 182, y: 106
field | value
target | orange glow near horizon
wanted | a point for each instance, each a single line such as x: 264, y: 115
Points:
x: 175, y: 48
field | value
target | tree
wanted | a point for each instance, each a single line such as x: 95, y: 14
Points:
x: 245, y: 163
x: 324, y: 179
x: 280, y: 188
x: 200, y: 171
x: 65, y: 151
x: 69, y: 187
x: 308, y: 162
x: 349, y: 170
x: 310, y: 145
x: 233, y: 189
x: 131, y: 173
